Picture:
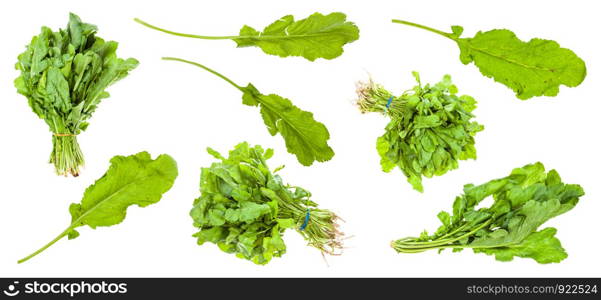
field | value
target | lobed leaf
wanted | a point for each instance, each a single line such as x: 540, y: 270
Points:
x: 304, y: 136
x: 130, y: 180
x: 542, y: 246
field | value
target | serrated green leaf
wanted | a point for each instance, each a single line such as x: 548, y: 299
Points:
x: 541, y: 246
x: 130, y: 180
x: 251, y: 227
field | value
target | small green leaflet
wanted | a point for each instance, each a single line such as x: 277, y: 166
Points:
x: 135, y: 179
x: 318, y: 36
x: 304, y: 136
x: 509, y: 227
x: 534, y: 68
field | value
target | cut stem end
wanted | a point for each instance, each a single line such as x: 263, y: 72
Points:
x: 66, y: 155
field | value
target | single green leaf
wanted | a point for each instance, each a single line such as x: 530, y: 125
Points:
x: 532, y: 215
x: 305, y: 137
x: 130, y: 180
x: 534, y: 68
x: 317, y: 36
x: 212, y: 235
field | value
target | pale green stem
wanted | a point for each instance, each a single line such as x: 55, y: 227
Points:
x: 445, y: 34
x: 206, y: 68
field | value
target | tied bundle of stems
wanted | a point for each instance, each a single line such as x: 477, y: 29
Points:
x: 373, y: 97
x: 64, y: 75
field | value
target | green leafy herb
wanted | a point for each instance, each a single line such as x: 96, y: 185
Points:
x: 531, y: 69
x: 64, y: 75
x: 430, y: 128
x: 135, y: 179
x: 317, y: 36
x: 304, y: 137
x: 509, y: 227
x: 244, y: 208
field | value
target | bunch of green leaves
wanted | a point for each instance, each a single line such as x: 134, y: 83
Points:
x: 534, y: 68
x: 136, y: 179
x: 509, y: 227
x: 430, y: 128
x: 317, y: 36
x: 245, y: 208
x: 304, y: 136
x: 64, y: 75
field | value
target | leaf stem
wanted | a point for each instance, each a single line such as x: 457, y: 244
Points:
x: 60, y: 236
x: 207, y: 69
x: 185, y: 34
x: 409, y: 245
x: 445, y: 34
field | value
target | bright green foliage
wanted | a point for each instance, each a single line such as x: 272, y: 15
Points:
x: 522, y: 202
x: 430, y: 128
x: 534, y: 68
x: 245, y: 208
x: 317, y: 36
x: 304, y: 136
x: 64, y: 75
x: 135, y: 179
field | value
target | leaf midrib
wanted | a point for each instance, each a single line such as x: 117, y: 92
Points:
x: 74, y: 223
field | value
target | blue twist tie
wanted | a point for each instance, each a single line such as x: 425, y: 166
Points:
x: 306, y: 222
x: 389, y: 101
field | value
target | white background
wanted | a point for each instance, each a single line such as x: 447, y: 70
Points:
x: 169, y: 107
